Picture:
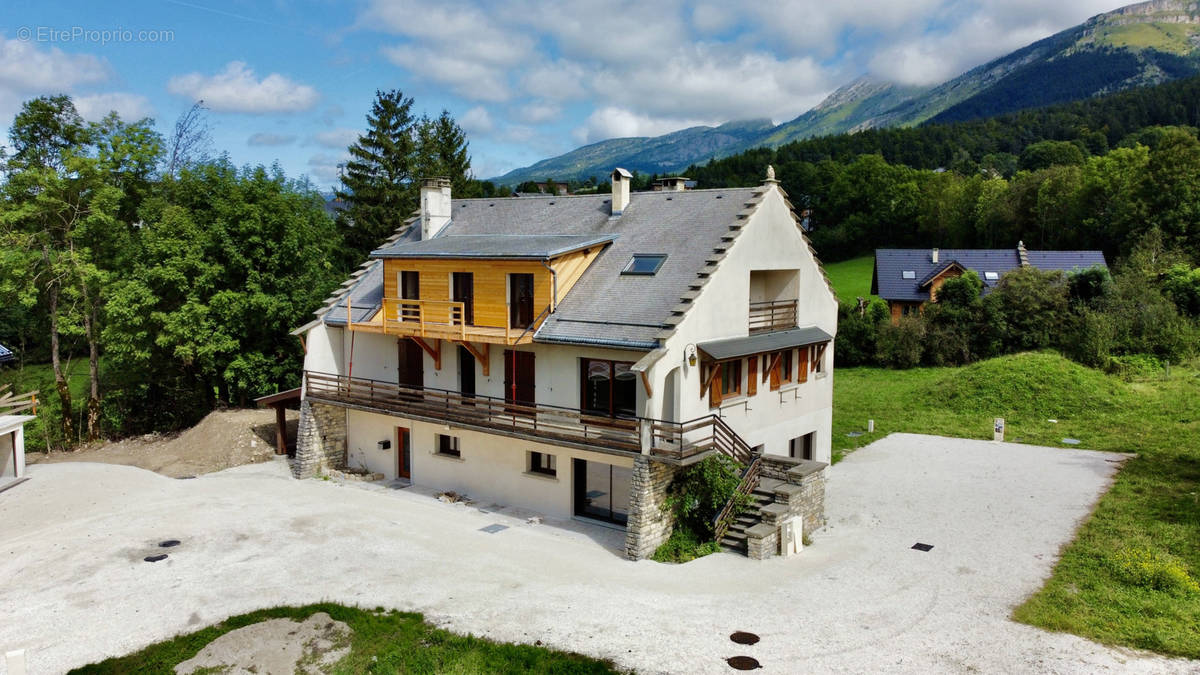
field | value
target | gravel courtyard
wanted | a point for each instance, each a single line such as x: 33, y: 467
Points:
x: 859, y: 599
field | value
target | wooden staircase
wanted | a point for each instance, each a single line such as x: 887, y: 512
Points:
x: 763, y: 494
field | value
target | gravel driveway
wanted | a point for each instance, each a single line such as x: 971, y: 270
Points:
x: 859, y: 599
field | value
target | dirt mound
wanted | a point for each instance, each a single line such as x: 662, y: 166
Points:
x: 275, y: 646
x: 223, y: 439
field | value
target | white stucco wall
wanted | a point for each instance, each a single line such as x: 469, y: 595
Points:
x: 323, y: 349
x: 12, y: 445
x: 492, y: 468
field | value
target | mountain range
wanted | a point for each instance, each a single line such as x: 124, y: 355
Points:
x: 1139, y: 45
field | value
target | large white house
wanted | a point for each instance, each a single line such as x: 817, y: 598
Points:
x: 568, y: 354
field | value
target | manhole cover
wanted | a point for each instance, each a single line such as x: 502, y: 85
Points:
x: 168, y: 543
x: 743, y: 662
x: 185, y: 477
x: 922, y: 547
x: 493, y: 529
x: 155, y: 558
x: 744, y: 638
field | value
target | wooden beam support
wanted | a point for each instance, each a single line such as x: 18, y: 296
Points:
x: 280, y: 429
x: 708, y: 383
x: 434, y: 353
x: 646, y: 384
x: 483, y: 357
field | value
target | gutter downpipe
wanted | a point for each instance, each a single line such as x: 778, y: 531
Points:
x: 554, y: 287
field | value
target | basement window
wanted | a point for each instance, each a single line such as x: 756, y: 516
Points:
x: 991, y: 276
x: 908, y: 274
x: 545, y: 464
x: 644, y: 264
x: 447, y: 445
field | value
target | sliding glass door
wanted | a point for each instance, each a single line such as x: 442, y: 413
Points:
x: 602, y: 491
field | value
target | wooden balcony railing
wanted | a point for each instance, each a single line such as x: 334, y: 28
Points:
x: 424, y: 317
x: 673, y: 442
x: 770, y: 316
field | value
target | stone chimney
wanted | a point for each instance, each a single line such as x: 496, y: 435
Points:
x: 933, y: 256
x: 671, y: 184
x: 1022, y: 254
x: 620, y: 190
x: 435, y: 206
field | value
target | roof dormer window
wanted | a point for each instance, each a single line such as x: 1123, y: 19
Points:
x: 644, y: 264
x: 908, y: 274
x: 991, y: 276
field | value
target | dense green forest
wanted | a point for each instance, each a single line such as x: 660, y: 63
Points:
x: 175, y: 275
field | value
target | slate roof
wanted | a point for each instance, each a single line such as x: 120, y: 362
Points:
x: 604, y: 307
x: 494, y: 246
x: 888, y: 280
x: 732, y: 348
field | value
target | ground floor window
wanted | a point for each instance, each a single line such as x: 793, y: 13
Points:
x: 602, y: 491
x: 447, y: 445
x: 543, y: 463
x: 803, y: 447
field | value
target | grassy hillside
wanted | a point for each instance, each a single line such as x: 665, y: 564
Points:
x: 851, y: 278
x: 1130, y: 576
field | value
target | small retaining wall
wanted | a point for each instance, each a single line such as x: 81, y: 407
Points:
x: 321, y: 439
x: 649, y: 524
x: 802, y: 495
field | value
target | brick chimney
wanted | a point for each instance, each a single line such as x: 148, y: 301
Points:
x: 435, y: 206
x: 933, y: 256
x: 620, y: 190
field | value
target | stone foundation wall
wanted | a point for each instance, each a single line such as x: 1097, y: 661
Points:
x: 320, y: 440
x: 801, y: 496
x: 649, y: 525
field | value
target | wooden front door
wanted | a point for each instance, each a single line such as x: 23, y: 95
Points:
x: 464, y: 292
x: 519, y: 384
x: 466, y: 372
x: 403, y: 454
x: 410, y: 364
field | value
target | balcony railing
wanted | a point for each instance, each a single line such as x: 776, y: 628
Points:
x: 774, y: 315
x: 674, y: 442
x: 439, y: 319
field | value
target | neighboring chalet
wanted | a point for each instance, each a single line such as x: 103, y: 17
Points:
x: 569, y: 354
x: 909, y: 278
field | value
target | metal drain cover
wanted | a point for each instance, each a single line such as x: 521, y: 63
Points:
x: 155, y: 558
x: 493, y: 529
x: 743, y: 663
x: 168, y: 543
x: 922, y: 547
x: 744, y: 638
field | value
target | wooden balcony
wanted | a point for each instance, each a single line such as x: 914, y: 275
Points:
x: 772, y: 316
x: 671, y: 442
x: 439, y: 319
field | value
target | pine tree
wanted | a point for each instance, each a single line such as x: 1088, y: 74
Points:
x: 379, y: 186
x: 442, y: 151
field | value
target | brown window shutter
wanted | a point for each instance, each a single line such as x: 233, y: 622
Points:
x: 803, y: 365
x: 752, y: 375
x: 714, y: 389
x: 776, y: 360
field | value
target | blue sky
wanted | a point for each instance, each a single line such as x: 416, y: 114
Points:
x: 292, y: 81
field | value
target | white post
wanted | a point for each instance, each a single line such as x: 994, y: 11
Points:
x: 998, y: 429
x: 870, y: 426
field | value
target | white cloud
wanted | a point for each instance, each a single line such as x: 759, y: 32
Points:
x: 613, y: 122
x: 477, y: 120
x: 236, y: 89
x: 559, y: 80
x: 26, y: 69
x: 539, y: 112
x: 470, y: 79
x: 331, y: 113
x: 326, y: 167
x: 336, y: 138
x: 265, y: 138
x: 130, y: 107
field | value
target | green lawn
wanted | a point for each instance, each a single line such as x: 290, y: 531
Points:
x: 1129, y: 578
x: 851, y: 278
x: 382, y: 642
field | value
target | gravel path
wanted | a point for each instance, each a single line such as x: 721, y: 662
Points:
x: 858, y: 600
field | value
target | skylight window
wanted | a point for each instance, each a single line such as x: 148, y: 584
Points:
x: 991, y: 276
x: 908, y: 274
x: 644, y: 264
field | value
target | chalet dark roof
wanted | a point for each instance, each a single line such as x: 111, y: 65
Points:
x: 888, y: 280
x: 604, y: 307
x: 733, y: 348
x: 494, y: 246
x: 6, y: 354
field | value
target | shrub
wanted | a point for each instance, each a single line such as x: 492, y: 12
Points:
x: 900, y: 345
x: 1154, y: 570
x: 682, y: 546
x: 1134, y: 366
x: 700, y: 491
